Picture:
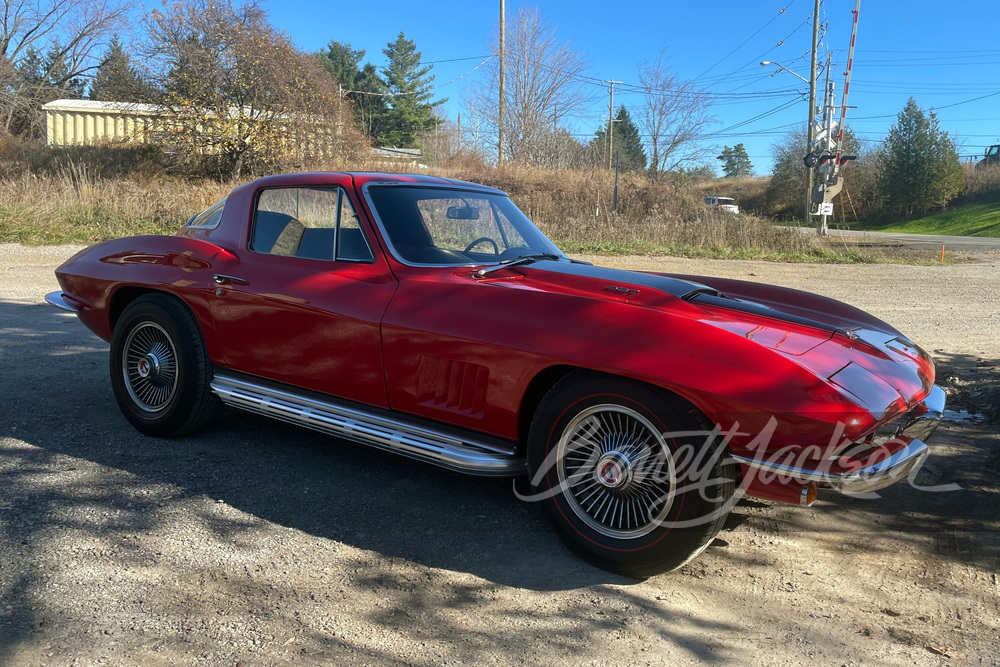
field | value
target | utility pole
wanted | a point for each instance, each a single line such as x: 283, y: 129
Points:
x: 812, y: 108
x: 459, y: 131
x: 828, y: 143
x: 503, y: 72
x: 826, y: 151
x: 611, y: 119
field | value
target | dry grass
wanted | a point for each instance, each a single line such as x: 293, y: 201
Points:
x: 73, y: 199
x: 979, y: 183
x: 75, y: 207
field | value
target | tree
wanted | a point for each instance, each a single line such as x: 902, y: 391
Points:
x: 359, y: 84
x: 627, y: 143
x: 411, y: 111
x: 735, y: 161
x: 921, y: 170
x: 47, y: 48
x: 674, y: 116
x: 342, y: 62
x: 786, y: 190
x: 544, y: 85
x: 241, y: 98
x: 116, y: 80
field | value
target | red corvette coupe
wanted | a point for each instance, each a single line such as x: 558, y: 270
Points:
x: 431, y: 318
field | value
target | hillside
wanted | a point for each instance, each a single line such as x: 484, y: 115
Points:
x: 977, y: 218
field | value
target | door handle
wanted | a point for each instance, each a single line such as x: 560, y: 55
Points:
x: 222, y: 280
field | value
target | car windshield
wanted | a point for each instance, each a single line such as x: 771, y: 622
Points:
x: 455, y: 227
x: 726, y: 201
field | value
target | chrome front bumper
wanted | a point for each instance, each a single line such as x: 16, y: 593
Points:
x: 894, y: 459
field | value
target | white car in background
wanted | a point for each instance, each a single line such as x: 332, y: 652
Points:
x: 724, y: 203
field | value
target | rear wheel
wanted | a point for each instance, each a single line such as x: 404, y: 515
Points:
x: 628, y: 475
x: 160, y: 370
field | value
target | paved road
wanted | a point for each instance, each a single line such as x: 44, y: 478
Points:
x: 920, y: 241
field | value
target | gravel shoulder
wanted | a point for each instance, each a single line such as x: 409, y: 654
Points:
x: 260, y: 543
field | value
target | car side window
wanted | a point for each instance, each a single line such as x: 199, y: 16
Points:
x: 351, y: 243
x: 209, y: 218
x: 303, y: 222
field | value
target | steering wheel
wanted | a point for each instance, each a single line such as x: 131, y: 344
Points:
x: 483, y: 239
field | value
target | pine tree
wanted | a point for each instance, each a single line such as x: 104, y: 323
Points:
x: 342, y: 62
x: 360, y: 84
x: 116, y: 80
x: 50, y: 75
x: 628, y: 143
x: 409, y: 84
x: 921, y: 169
x: 735, y: 161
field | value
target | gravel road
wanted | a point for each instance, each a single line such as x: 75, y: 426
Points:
x: 258, y: 543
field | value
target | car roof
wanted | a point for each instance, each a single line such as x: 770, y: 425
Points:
x: 361, y: 178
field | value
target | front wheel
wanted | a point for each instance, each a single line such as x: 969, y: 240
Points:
x: 160, y: 370
x: 630, y: 477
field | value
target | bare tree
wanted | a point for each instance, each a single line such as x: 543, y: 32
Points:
x: 240, y: 97
x: 673, y: 117
x: 544, y: 83
x: 479, y: 119
x: 440, y: 142
x: 47, y: 48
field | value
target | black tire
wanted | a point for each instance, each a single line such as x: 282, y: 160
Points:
x: 160, y: 370
x: 600, y: 439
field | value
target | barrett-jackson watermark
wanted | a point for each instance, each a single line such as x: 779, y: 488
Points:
x: 695, y: 465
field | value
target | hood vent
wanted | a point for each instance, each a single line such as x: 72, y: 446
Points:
x: 761, y: 310
x: 682, y: 289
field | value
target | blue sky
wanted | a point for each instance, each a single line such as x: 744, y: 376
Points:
x: 942, y: 54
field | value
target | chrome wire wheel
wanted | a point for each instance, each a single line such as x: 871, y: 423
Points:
x: 616, y: 471
x: 149, y: 367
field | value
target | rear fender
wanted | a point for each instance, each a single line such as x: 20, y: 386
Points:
x: 105, y: 277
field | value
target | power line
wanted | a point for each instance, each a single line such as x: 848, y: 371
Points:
x: 422, y: 90
x: 453, y: 60
x: 741, y: 44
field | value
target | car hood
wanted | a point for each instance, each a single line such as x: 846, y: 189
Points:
x: 868, y: 360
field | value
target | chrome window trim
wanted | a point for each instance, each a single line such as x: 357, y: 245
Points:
x: 385, y: 234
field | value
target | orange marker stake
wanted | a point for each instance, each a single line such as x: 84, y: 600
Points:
x: 942, y: 253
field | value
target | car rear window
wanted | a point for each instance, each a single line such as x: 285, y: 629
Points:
x: 210, y: 217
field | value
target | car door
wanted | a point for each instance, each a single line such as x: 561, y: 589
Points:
x: 303, y: 303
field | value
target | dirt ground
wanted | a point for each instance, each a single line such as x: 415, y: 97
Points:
x: 261, y: 543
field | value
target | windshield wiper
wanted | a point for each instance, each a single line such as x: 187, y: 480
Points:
x: 524, y: 259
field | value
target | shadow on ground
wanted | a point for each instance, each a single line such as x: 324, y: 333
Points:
x: 53, y: 379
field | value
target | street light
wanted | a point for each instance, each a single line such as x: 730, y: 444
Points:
x: 765, y: 63
x: 812, y: 115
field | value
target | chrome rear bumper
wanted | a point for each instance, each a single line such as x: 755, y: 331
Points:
x: 886, y: 463
x: 58, y: 299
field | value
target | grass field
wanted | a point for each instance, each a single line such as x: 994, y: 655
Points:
x: 980, y: 218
